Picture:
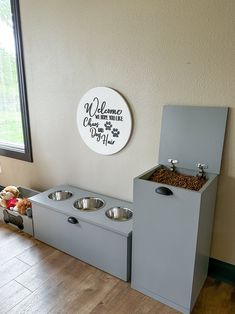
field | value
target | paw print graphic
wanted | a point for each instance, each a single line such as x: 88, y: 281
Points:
x: 115, y: 132
x: 108, y: 126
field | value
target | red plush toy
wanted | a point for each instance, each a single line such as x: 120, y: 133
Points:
x: 11, y: 203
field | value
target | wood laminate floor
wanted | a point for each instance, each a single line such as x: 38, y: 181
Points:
x: 36, y: 278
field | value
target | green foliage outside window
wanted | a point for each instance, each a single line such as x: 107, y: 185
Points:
x: 10, y: 115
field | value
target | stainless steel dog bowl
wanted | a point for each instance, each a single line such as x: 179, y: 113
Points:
x: 89, y: 203
x: 60, y: 195
x: 119, y: 213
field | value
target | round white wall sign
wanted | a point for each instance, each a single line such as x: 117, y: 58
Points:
x: 104, y: 120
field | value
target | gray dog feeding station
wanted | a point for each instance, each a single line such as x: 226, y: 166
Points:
x: 75, y: 221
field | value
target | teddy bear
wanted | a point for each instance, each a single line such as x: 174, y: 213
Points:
x: 23, y: 206
x: 8, y: 193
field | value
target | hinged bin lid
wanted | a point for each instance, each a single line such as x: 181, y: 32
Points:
x: 192, y: 135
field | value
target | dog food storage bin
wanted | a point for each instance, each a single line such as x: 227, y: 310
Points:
x: 172, y: 226
x: 75, y: 221
x: 16, y: 220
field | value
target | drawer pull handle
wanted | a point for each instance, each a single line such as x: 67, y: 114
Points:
x: 72, y: 220
x: 163, y: 190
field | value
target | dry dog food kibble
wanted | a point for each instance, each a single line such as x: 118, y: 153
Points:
x: 165, y: 176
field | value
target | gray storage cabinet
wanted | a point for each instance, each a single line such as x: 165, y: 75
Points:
x: 95, y: 239
x: 172, y: 233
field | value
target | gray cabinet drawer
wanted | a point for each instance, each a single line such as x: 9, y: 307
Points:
x: 99, y: 247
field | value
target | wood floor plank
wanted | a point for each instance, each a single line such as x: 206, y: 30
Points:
x: 85, y: 294
x: 216, y: 298
x: 123, y: 299
x: 38, y: 274
x: 15, y: 246
x: 56, y: 290
x: 6, y: 234
x: 11, y: 270
x: 36, y: 253
x: 11, y: 294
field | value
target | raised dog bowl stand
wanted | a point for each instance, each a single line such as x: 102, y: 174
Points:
x: 85, y: 234
x: 172, y: 233
x: 16, y: 220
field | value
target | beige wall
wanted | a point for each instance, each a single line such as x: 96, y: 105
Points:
x: 154, y: 52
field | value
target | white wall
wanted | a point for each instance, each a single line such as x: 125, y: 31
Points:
x: 154, y: 52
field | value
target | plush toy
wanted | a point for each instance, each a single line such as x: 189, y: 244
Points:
x: 9, y: 199
x: 8, y: 193
x: 22, y: 206
x: 12, y: 189
x: 11, y: 203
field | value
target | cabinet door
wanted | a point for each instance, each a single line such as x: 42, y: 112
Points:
x: 92, y: 244
x: 164, y: 241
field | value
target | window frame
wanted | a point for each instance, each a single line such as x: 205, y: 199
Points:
x: 10, y: 150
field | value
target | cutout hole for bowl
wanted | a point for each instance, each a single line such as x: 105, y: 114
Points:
x: 119, y: 213
x: 89, y: 203
x: 60, y: 195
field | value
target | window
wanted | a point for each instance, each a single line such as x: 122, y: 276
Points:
x: 15, y: 139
